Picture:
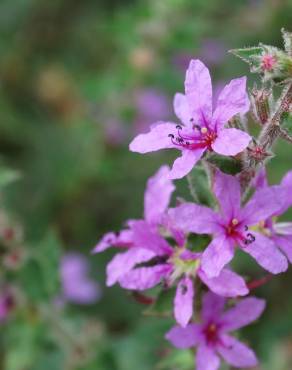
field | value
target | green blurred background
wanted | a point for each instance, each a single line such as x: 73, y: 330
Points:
x: 78, y: 80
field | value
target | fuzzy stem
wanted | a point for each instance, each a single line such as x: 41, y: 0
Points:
x: 270, y: 133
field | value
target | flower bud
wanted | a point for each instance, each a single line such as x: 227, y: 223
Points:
x: 260, y: 99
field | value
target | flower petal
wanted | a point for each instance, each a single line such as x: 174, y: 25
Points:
x: 226, y: 284
x: 122, y: 263
x: 157, y: 195
x: 143, y: 278
x: 218, y: 253
x: 231, y: 141
x: 267, y: 255
x: 212, y: 306
x: 285, y: 244
x: 182, y: 109
x: 147, y: 237
x: 232, y: 100
x: 207, y: 359
x: 184, y: 337
x: 191, y: 217
x: 227, y: 191
x: 184, y: 164
x: 198, y: 89
x: 243, y: 313
x: 236, y: 353
x: 123, y: 239
x: 183, y: 301
x: 157, y: 138
x: 264, y: 203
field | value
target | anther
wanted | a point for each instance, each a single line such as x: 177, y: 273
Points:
x: 204, y: 130
x: 235, y: 222
x: 171, y: 135
x: 178, y: 127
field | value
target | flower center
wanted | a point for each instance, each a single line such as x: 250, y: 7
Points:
x: 242, y: 235
x: 268, y: 62
x: 211, y: 333
x: 183, y: 264
x: 202, y: 137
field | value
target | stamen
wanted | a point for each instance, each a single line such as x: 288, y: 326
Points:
x: 184, y: 289
x: 204, y: 130
x: 235, y: 222
x: 250, y: 239
x: 178, y: 127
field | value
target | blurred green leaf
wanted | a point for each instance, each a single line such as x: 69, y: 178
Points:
x: 8, y: 176
x: 228, y: 165
x: 199, y: 186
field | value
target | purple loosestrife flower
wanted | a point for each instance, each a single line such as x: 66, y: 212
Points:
x: 7, y: 303
x: 172, y: 265
x: 280, y: 233
x: 156, y: 200
x: 212, y: 338
x: 76, y: 284
x: 232, y: 225
x: 201, y: 129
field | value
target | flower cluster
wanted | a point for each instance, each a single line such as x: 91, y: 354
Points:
x: 165, y: 248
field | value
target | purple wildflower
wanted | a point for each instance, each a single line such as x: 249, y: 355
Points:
x: 212, y: 338
x: 172, y: 265
x: 77, y: 286
x: 7, y: 303
x: 201, y: 128
x: 234, y: 225
x: 156, y: 200
x: 280, y: 233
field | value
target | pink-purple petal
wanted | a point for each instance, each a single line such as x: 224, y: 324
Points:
x: 206, y: 358
x: 218, y: 254
x: 266, y: 253
x: 243, y: 313
x: 231, y: 141
x: 227, y: 284
x: 198, y: 89
x: 212, y: 306
x: 182, y: 109
x: 184, y: 164
x: 157, y: 138
x: 227, y: 191
x: 236, y: 353
x: 147, y: 237
x: 157, y: 195
x: 143, y: 278
x: 191, y: 217
x: 232, y: 100
x: 264, y: 203
x: 184, y: 337
x: 183, y: 301
x: 122, y: 263
x: 284, y: 242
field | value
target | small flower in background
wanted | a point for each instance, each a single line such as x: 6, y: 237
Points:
x: 211, y: 337
x: 212, y: 51
x: 280, y: 233
x: 7, y: 303
x: 77, y: 286
x: 234, y: 225
x: 151, y: 105
x: 114, y: 133
x: 202, y: 128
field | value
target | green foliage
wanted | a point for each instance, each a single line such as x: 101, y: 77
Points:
x: 229, y: 165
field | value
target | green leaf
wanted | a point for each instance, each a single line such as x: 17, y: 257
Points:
x: 227, y: 165
x: 199, y: 186
x: 177, y: 359
x: 287, y: 123
x: 249, y: 55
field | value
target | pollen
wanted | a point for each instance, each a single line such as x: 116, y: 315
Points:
x: 235, y: 222
x: 204, y: 130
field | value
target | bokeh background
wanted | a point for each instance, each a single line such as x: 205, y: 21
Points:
x: 78, y: 80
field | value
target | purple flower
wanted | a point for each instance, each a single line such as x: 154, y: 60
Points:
x: 172, y: 265
x: 212, y: 338
x: 77, y: 286
x: 201, y: 128
x: 280, y: 233
x: 7, y: 303
x: 234, y: 225
x: 151, y: 105
x: 156, y: 200
x: 151, y: 260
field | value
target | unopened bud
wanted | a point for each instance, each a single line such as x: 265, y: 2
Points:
x: 261, y: 104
